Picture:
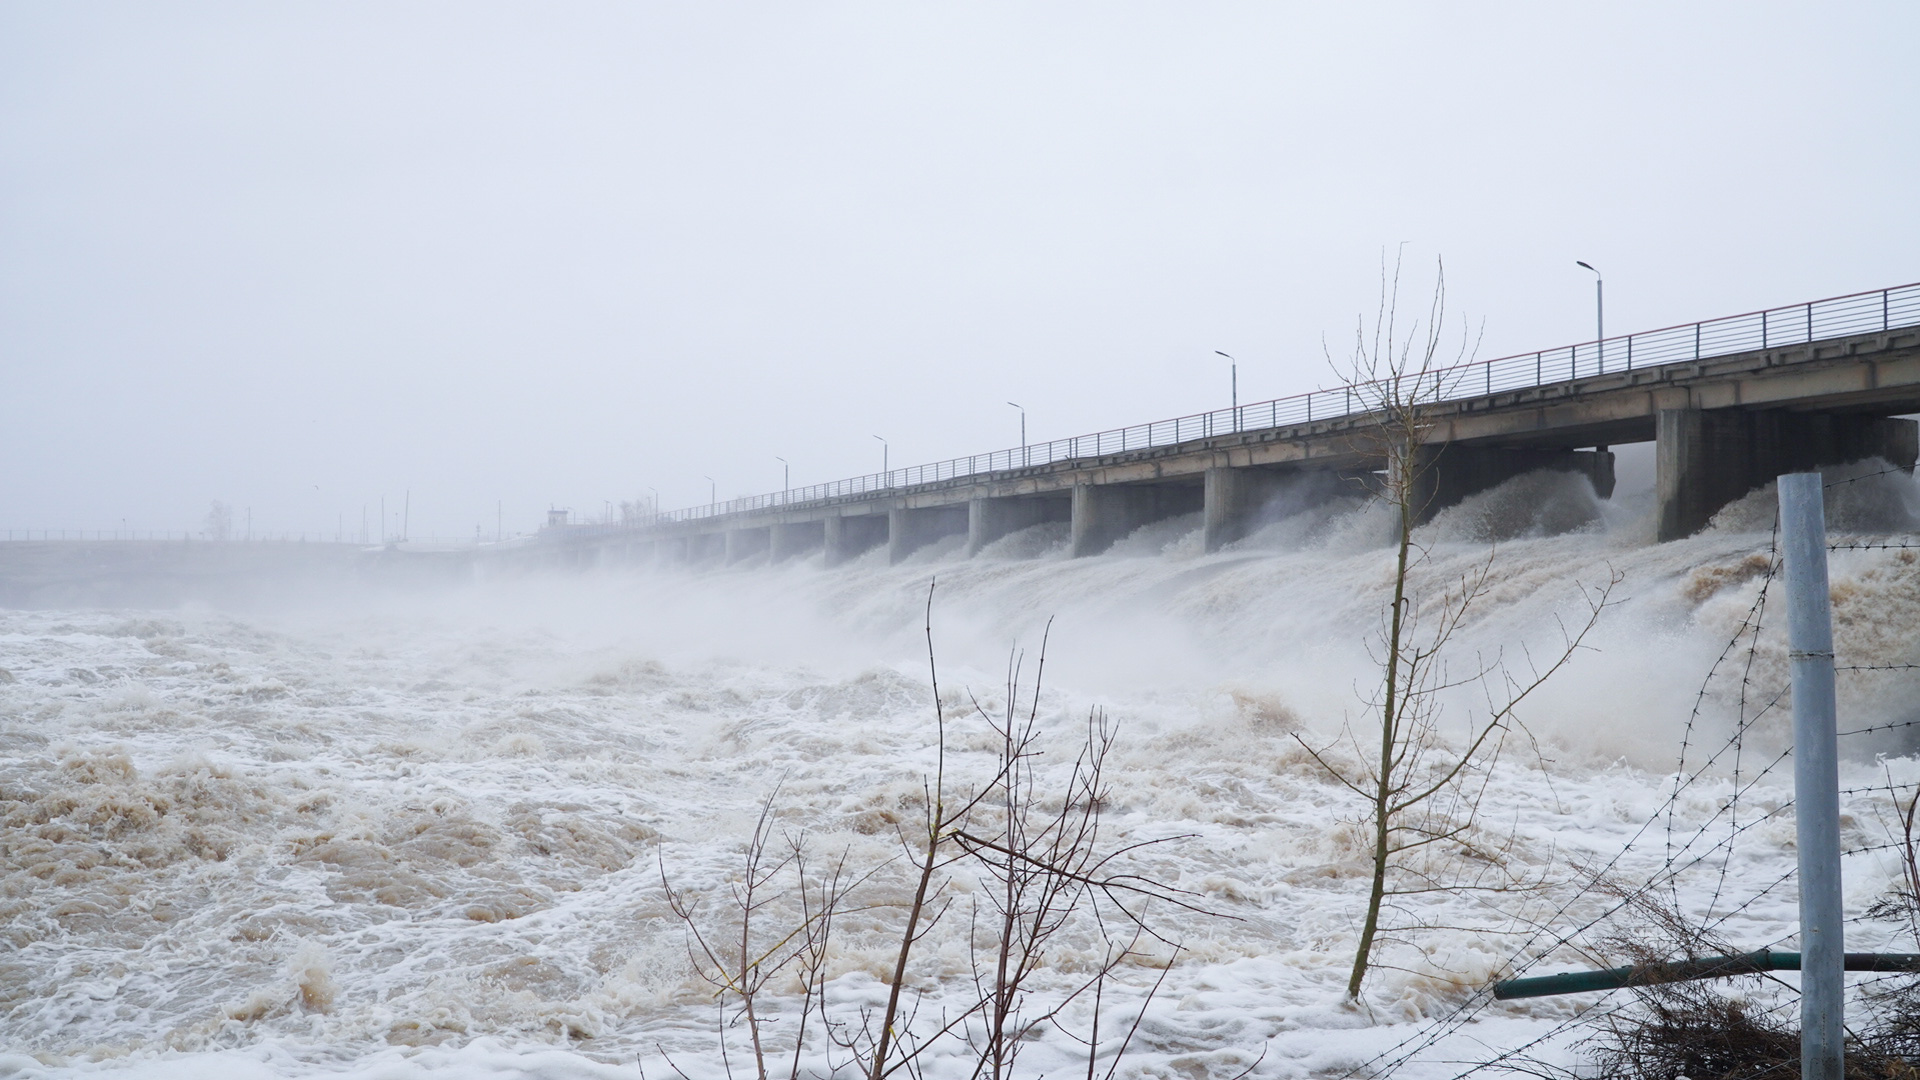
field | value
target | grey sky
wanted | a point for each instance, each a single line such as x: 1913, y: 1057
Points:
x: 299, y: 256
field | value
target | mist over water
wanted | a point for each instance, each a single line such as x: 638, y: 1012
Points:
x: 394, y: 830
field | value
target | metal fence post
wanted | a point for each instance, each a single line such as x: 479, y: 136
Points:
x: 1816, y: 777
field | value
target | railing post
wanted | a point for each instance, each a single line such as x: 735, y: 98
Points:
x: 1763, y: 329
x: 1883, y: 309
x: 1538, y: 377
x: 1696, y: 341
x: 1629, y: 352
x: 1809, y: 322
x: 1816, y: 777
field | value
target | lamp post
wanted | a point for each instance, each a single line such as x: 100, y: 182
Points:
x: 1599, y: 314
x: 1023, y: 430
x: 1233, y: 368
x: 713, y: 492
x: 884, y: 448
x: 786, y: 477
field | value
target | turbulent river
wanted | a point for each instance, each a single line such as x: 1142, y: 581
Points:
x: 424, y: 832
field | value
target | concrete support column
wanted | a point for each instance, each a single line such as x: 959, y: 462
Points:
x: 1707, y: 458
x: 1451, y: 472
x: 909, y: 530
x: 989, y: 519
x: 1104, y: 513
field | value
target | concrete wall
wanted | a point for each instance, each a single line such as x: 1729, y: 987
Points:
x: 909, y: 530
x: 1104, y: 513
x: 1707, y: 458
x: 1448, y: 474
x: 990, y: 519
x: 745, y: 543
x: 849, y: 537
x: 1239, y: 501
x: 788, y: 539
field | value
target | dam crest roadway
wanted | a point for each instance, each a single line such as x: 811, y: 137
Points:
x: 1729, y: 403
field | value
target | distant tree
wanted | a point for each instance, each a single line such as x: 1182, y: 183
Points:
x: 219, y: 521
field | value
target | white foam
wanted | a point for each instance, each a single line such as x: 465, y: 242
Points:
x: 424, y: 838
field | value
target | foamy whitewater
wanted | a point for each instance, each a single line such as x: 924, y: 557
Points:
x: 423, y: 833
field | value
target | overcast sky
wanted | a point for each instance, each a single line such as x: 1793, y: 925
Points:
x: 300, y: 256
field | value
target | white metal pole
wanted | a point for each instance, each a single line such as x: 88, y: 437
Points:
x: 1816, y: 777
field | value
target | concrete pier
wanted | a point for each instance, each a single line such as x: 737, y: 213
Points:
x: 1104, y: 513
x: 910, y: 529
x: 1707, y: 458
x: 990, y: 519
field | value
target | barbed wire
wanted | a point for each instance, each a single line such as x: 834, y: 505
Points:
x: 1683, y: 854
x: 1867, y: 476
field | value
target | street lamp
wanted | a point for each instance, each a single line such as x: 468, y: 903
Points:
x: 1024, y: 460
x: 1233, y: 368
x: 786, y: 474
x: 884, y: 448
x: 1599, y: 313
x: 713, y: 492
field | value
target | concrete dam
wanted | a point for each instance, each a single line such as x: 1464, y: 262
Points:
x: 1729, y: 403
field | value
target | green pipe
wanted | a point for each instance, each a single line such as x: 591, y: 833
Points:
x: 1711, y: 967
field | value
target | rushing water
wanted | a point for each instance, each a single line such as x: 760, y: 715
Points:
x: 425, y: 832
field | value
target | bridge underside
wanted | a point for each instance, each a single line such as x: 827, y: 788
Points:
x: 1722, y: 428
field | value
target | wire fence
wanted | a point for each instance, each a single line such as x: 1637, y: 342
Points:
x: 1797, y: 324
x: 1755, y: 692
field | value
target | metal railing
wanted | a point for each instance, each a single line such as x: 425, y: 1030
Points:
x: 1838, y: 316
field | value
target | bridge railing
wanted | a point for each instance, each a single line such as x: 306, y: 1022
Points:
x: 1838, y: 316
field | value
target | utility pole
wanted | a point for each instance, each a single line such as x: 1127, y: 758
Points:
x: 1816, y: 777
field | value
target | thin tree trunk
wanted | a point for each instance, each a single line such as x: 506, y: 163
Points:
x: 885, y: 1044
x: 1389, y: 735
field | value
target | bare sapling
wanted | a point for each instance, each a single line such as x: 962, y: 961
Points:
x: 1035, y: 837
x: 1041, y: 851
x: 891, y: 1047
x: 1047, y: 872
x: 740, y: 957
x: 1422, y: 784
